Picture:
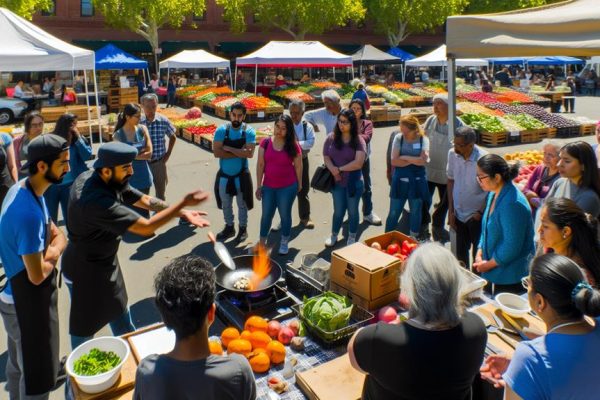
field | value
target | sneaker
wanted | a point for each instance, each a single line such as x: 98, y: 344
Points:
x: 351, y: 239
x: 372, y: 219
x: 226, y: 233
x: 276, y: 228
x: 308, y: 224
x: 242, y: 235
x: 283, y: 246
x: 331, y: 241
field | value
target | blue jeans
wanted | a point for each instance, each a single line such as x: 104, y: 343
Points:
x: 119, y: 326
x: 281, y: 199
x: 342, y: 202
x: 58, y: 195
x: 396, y: 208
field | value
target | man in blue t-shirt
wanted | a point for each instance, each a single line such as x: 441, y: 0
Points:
x: 233, y: 145
x: 30, y: 247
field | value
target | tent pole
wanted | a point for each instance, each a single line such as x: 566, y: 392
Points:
x: 87, y: 103
x: 168, y: 72
x: 98, y: 108
x: 255, y: 78
x: 403, y: 69
x: 451, y: 97
x: 230, y: 78
x: 334, y: 73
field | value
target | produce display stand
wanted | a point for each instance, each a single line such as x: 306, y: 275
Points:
x: 119, y: 97
x: 492, y: 139
x: 52, y: 114
x: 385, y: 114
x: 532, y: 135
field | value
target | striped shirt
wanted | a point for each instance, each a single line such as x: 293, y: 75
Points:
x: 157, y: 129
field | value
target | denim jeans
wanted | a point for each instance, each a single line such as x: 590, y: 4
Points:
x: 227, y: 204
x: 342, y: 202
x: 57, y: 195
x: 396, y: 208
x: 280, y: 199
x: 367, y: 207
x: 119, y: 326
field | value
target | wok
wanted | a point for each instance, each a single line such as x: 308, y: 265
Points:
x: 225, y: 277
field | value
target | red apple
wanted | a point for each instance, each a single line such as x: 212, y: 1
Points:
x: 294, y: 325
x: 273, y: 329
x: 285, y: 335
x: 387, y: 314
x: 393, y: 249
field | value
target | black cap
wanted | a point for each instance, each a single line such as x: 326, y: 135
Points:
x: 44, y: 147
x: 115, y: 153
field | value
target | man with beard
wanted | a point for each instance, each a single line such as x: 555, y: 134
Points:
x: 97, y: 217
x: 30, y: 247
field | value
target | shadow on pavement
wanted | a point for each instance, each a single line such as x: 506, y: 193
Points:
x: 144, y: 313
x: 165, y: 240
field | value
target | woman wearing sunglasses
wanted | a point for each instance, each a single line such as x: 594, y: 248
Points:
x: 561, y: 364
x: 506, y: 242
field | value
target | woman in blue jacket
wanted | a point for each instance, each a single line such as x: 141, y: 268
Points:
x: 79, y: 152
x: 506, y: 242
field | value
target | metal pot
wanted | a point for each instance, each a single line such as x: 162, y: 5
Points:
x: 225, y: 277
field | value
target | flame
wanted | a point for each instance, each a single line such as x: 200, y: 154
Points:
x: 261, y: 266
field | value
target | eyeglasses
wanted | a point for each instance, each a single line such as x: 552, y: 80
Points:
x: 525, y: 282
x: 481, y: 178
x: 343, y: 122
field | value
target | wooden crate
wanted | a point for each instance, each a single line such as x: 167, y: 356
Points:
x: 551, y: 133
x: 587, y: 129
x: 490, y: 139
x: 530, y: 136
x: 206, y: 141
x: 394, y: 113
x: 82, y: 111
x: 187, y: 135
x: 51, y: 114
x: 221, y: 112
x: 543, y: 133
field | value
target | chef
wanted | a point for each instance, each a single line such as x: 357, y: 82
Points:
x: 98, y: 215
x: 30, y: 247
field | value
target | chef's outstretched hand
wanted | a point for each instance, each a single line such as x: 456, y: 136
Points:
x: 195, y: 218
x: 196, y: 197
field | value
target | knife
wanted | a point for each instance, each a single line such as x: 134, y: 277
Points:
x: 514, y: 324
x: 501, y: 325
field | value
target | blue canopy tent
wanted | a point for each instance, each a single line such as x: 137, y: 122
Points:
x: 403, y: 56
x: 560, y: 60
x: 112, y: 57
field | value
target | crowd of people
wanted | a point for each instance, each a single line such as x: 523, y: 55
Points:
x: 542, y: 237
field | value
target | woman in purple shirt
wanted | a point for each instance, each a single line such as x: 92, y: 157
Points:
x: 543, y: 176
x: 344, y: 153
x: 279, y: 179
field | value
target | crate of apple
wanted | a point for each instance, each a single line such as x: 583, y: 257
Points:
x: 399, y: 249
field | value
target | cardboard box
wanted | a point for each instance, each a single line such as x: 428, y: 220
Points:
x: 369, y: 305
x: 365, y: 272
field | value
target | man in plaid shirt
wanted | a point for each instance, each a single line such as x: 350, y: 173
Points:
x: 158, y: 126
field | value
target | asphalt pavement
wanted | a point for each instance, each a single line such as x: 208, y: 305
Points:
x: 191, y: 167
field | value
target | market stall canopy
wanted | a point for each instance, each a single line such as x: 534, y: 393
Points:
x: 554, y: 60
x: 25, y: 47
x: 570, y: 28
x: 111, y: 57
x: 438, y: 58
x: 371, y: 55
x: 194, y: 59
x: 508, y: 60
x: 403, y: 55
x: 286, y: 54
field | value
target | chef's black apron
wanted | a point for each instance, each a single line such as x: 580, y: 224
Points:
x: 99, y: 295
x: 37, y: 315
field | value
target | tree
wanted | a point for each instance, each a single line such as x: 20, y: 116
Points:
x: 146, y: 17
x: 26, y: 8
x: 493, y: 6
x: 399, y: 18
x: 297, y: 18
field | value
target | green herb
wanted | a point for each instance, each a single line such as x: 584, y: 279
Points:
x: 330, y: 311
x: 96, y: 362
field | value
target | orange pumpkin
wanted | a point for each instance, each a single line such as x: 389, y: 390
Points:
x: 260, y: 363
x: 277, y: 351
x: 240, y: 346
x: 259, y: 339
x: 256, y: 323
x: 246, y: 335
x: 228, y: 335
x: 215, y: 347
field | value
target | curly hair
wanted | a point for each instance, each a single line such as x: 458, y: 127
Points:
x: 185, y: 291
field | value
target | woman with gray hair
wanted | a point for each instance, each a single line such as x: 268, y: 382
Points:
x: 543, y: 177
x: 403, y: 360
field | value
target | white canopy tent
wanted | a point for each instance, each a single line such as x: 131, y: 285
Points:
x: 437, y: 58
x: 194, y: 59
x: 294, y: 54
x: 569, y: 28
x: 26, y: 47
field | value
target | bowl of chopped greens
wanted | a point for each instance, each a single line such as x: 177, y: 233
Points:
x: 96, y: 364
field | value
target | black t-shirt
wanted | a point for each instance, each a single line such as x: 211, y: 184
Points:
x: 97, y: 217
x: 406, y: 363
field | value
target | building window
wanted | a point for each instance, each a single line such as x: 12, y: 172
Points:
x: 199, y: 17
x: 51, y: 12
x: 87, y: 8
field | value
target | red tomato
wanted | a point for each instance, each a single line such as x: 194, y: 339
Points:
x: 393, y: 249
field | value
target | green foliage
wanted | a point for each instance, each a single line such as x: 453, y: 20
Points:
x: 294, y: 17
x: 493, y: 6
x: 26, y: 8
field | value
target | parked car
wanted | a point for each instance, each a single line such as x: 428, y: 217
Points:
x: 11, y: 109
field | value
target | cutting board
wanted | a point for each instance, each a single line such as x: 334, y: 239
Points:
x: 333, y: 380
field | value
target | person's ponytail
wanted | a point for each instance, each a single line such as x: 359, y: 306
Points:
x: 511, y: 172
x: 587, y: 300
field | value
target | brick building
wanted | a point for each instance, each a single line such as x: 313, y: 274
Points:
x: 76, y: 21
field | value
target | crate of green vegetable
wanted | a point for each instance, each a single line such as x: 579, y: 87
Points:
x: 96, y: 364
x: 331, y: 318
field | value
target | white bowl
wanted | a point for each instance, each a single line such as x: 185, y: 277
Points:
x: 512, y: 304
x: 101, y: 382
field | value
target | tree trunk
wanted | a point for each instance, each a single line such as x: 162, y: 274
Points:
x: 150, y: 33
x: 397, y: 36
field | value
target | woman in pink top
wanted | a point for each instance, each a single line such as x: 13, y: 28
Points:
x: 279, y: 179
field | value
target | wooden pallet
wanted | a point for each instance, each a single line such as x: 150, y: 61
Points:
x: 490, y: 139
x: 587, y: 129
x: 530, y: 136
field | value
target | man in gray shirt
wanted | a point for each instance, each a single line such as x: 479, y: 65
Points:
x: 466, y: 199
x: 185, y: 294
x: 326, y: 116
